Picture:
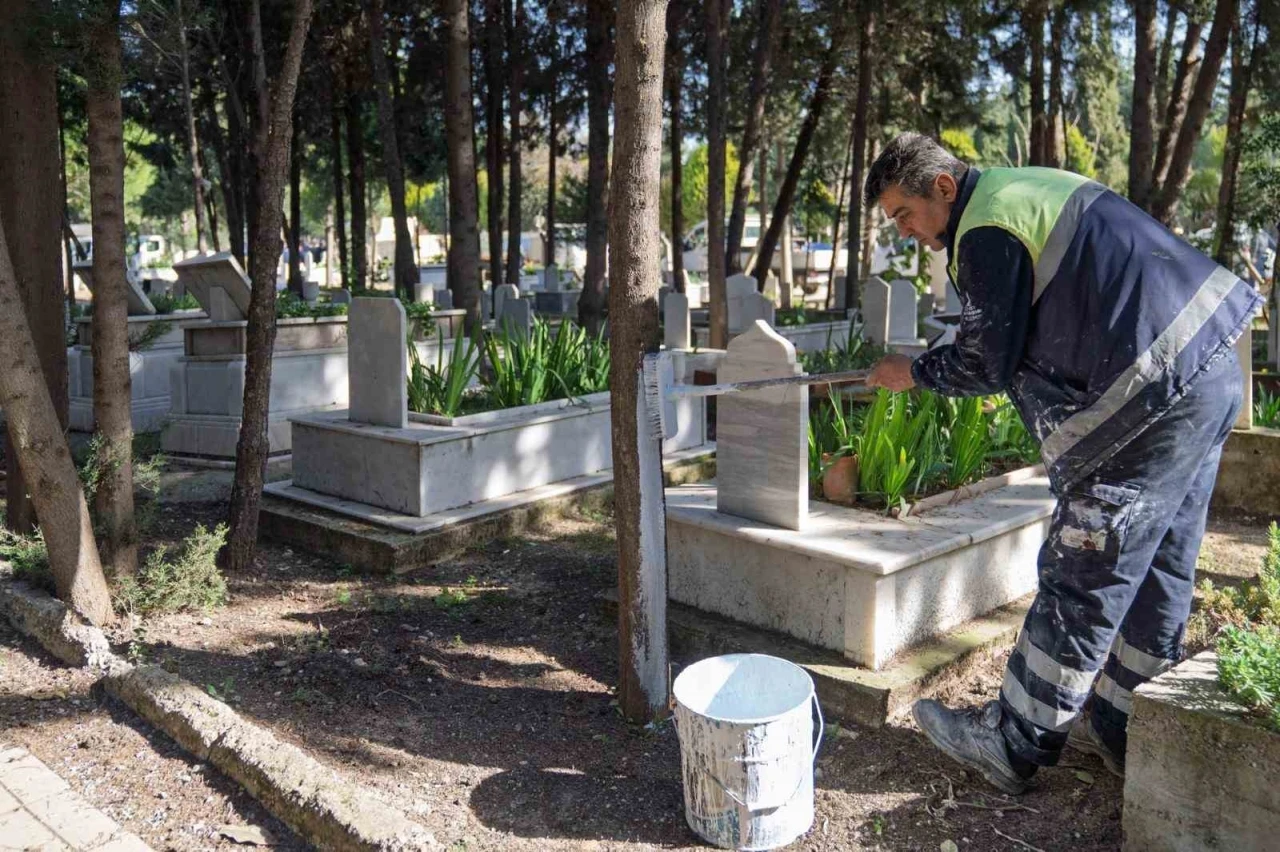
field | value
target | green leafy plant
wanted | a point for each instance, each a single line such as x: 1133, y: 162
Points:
x: 1266, y: 409
x: 28, y: 556
x: 189, y: 580
x: 856, y: 354
x: 526, y: 370
x: 442, y: 388
x: 167, y: 303
x: 149, y: 335
x: 1252, y: 603
x: 787, y: 317
x: 290, y: 306
x: 969, y: 440
x: 1249, y: 669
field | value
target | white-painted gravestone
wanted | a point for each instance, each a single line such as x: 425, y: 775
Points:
x: 342, y: 297
x: 443, y: 299
x: 501, y: 294
x: 875, y: 310
x: 517, y: 317
x: 377, y: 362
x: 738, y: 288
x: 139, y: 304
x: 758, y: 306
x: 218, y: 283
x: 762, y: 469
x: 675, y: 321
x: 903, y: 307
x: 551, y: 279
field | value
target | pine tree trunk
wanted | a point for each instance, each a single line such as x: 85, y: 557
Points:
x: 272, y: 136
x: 845, y: 183
x: 339, y: 205
x: 1141, y: 133
x: 861, y: 110
x: 716, y: 48
x: 112, y: 385
x: 1241, y: 81
x: 553, y: 142
x: 230, y: 189
x: 193, y: 141
x: 804, y: 139
x: 1175, y: 110
x: 762, y: 61
x: 868, y: 225
x: 494, y: 157
x: 355, y: 176
x: 675, y: 85
x: 29, y: 168
x: 1166, y: 203
x: 1033, y: 31
x: 515, y: 95
x: 295, y: 214
x: 464, y: 230
x: 599, y: 95
x: 405, y: 273
x: 633, y: 307
x: 1057, y: 37
x: 1166, y: 57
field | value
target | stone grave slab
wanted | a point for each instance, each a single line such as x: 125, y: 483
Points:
x: 517, y: 317
x: 903, y: 308
x: 675, y: 321
x: 501, y: 294
x: 218, y: 283
x: 875, y: 310
x: 377, y: 362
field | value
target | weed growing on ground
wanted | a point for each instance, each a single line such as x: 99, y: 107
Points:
x: 451, y: 599
x: 1252, y: 603
x: 1266, y: 409
x: 29, y: 558
x: 188, y: 580
x: 226, y: 691
x: 1249, y: 669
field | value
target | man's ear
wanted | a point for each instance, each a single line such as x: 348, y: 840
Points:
x: 945, y: 185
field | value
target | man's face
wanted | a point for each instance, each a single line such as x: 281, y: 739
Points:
x: 922, y: 218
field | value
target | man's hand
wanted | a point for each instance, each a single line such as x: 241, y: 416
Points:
x: 892, y: 372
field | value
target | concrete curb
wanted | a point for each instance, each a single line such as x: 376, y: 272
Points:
x: 313, y: 800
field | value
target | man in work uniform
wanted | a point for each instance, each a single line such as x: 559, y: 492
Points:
x: 1114, y: 339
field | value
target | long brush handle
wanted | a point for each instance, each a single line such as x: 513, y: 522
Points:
x: 846, y: 377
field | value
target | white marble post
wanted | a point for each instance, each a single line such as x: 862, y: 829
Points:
x: 517, y: 317
x: 875, y: 310
x: 501, y: 294
x: 737, y: 289
x: 675, y: 321
x: 903, y: 310
x: 377, y: 362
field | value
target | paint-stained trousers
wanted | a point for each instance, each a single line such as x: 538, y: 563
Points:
x: 1117, y: 572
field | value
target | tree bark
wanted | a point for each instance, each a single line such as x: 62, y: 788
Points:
x: 494, y: 92
x: 1175, y: 110
x: 787, y: 191
x: 716, y: 37
x: 1166, y: 56
x: 599, y: 95
x: 1057, y: 37
x: 553, y: 143
x: 675, y: 84
x: 515, y: 85
x: 29, y: 167
x: 355, y: 175
x: 761, y: 63
x: 193, y: 141
x: 1197, y: 109
x: 295, y: 214
x: 112, y: 409
x: 228, y: 171
x: 633, y: 306
x: 1140, y: 138
x: 862, y: 107
x: 845, y: 182
x: 1033, y: 31
x: 464, y: 230
x: 272, y: 137
x: 1241, y: 81
x: 405, y: 273
x: 868, y: 222
x: 339, y: 205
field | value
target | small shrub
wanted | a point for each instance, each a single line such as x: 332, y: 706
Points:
x: 167, y: 303
x: 150, y: 334
x: 1266, y: 409
x: 289, y: 305
x: 29, y: 558
x: 442, y: 388
x: 188, y: 580
x: 1252, y: 603
x: 1249, y: 669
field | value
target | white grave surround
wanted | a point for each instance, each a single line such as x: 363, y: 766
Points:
x: 753, y: 547
x: 148, y: 371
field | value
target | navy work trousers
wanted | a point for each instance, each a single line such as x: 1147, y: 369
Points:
x: 1117, y: 572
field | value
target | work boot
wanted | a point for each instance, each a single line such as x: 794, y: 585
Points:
x: 1083, y: 738
x: 972, y: 738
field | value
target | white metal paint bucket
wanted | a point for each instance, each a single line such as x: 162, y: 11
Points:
x: 747, y: 746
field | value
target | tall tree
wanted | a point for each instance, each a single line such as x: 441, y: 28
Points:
x: 294, y: 221
x: 112, y: 409
x: 516, y: 29
x: 1166, y: 201
x: 193, y: 140
x: 29, y: 174
x: 599, y: 95
x: 464, y: 230
x: 675, y: 103
x: 1033, y: 30
x: 406, y: 268
x: 356, y: 178
x: 339, y: 207
x: 861, y: 114
x: 1244, y: 48
x: 761, y: 63
x: 493, y: 153
x: 1165, y: 57
x: 716, y: 26
x: 804, y: 140
x: 1053, y: 141
x: 1140, y: 139
x: 272, y: 135
x: 1175, y: 107
x: 633, y: 307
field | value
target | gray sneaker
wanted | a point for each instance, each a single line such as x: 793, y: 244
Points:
x: 971, y: 738
x: 1083, y: 738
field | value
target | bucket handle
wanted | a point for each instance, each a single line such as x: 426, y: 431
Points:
x: 740, y: 800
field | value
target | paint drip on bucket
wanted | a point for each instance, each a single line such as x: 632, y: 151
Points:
x: 749, y: 728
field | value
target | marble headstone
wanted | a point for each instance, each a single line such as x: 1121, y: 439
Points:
x: 738, y: 288
x: 341, y: 297
x: 377, y: 362
x: 501, y: 294
x: 139, y: 304
x: 675, y: 321
x: 517, y: 317
x: 218, y: 283
x: 875, y: 311
x: 903, y: 307
x: 762, y: 468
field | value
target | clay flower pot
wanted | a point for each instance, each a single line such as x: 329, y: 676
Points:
x: 840, y: 481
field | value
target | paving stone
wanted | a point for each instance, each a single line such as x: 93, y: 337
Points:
x: 29, y: 780
x: 20, y: 832
x: 7, y: 802
x: 74, y: 820
x: 123, y: 842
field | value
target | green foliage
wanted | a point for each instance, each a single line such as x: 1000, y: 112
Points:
x: 442, y: 388
x: 420, y: 313
x: 540, y: 367
x: 147, y: 338
x: 167, y: 303
x: 1081, y: 158
x: 29, y: 558
x: 960, y: 144
x: 188, y: 580
x: 1249, y: 669
x: 1259, y: 182
x: 1252, y: 603
x: 856, y: 354
x: 1266, y: 409
x: 969, y: 440
x: 290, y: 306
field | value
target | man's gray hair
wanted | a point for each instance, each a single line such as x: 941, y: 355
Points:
x: 911, y: 161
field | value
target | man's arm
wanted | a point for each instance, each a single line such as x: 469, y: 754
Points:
x: 996, y: 283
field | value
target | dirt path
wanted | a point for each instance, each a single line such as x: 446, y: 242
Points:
x: 476, y: 696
